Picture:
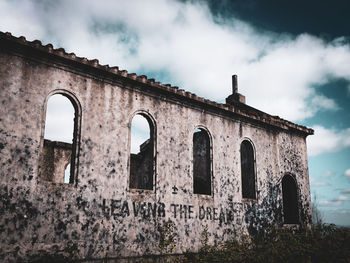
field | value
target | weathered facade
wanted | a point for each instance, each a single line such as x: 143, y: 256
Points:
x: 186, y: 178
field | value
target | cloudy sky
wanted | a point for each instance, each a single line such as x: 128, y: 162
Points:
x: 292, y: 59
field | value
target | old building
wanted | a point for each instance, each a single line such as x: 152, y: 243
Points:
x: 205, y: 166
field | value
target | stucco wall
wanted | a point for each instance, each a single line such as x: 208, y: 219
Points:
x: 99, y: 212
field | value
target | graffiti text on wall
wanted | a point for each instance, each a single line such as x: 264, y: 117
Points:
x: 125, y: 208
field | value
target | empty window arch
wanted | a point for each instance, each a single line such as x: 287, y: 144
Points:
x: 248, y: 170
x: 142, y: 152
x: 290, y: 200
x: 201, y: 162
x: 60, y: 139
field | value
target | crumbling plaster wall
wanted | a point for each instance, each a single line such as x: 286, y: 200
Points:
x: 99, y: 212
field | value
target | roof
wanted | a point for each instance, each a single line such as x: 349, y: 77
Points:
x: 238, y: 109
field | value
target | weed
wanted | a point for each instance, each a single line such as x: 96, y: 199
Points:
x: 320, y: 244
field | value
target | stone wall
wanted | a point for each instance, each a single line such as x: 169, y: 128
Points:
x: 56, y: 156
x: 98, y: 213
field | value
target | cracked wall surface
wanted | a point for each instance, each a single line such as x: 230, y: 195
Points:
x: 99, y: 212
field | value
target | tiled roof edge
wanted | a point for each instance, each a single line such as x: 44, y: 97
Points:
x: 241, y: 109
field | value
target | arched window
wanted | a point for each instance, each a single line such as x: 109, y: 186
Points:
x: 248, y: 170
x: 60, y: 139
x: 201, y: 162
x: 142, y: 153
x: 290, y: 200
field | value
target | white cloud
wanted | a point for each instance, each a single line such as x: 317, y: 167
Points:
x: 335, y: 202
x: 140, y: 132
x: 343, y: 198
x: 331, y: 203
x: 136, y: 140
x: 327, y: 140
x: 347, y: 173
x: 59, y: 123
x: 140, y: 123
x: 277, y: 73
x: 319, y: 183
x: 328, y: 174
x: 346, y: 191
x: 320, y: 102
x: 314, y: 182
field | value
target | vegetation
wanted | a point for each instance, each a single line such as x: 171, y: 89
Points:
x: 321, y: 243
x: 167, y: 237
x: 317, y: 217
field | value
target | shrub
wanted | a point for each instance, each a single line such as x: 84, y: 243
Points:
x: 320, y: 244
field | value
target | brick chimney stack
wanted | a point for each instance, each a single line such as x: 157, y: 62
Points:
x: 235, y: 97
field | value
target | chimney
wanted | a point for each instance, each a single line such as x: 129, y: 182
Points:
x: 234, y: 84
x: 235, y: 97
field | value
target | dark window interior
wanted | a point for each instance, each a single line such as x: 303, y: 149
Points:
x: 290, y: 200
x: 201, y: 163
x: 247, y: 170
x: 141, y: 153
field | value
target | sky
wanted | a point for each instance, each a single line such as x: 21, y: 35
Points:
x: 292, y: 59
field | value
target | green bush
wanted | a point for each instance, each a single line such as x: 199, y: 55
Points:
x: 320, y: 244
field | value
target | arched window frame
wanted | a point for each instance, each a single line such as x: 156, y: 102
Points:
x: 255, y: 169
x: 76, y: 134
x: 291, y: 176
x: 153, y: 134
x: 201, y: 127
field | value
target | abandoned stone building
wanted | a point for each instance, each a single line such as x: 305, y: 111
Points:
x: 204, y: 166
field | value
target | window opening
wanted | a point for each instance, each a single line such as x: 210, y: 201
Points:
x: 201, y: 162
x: 67, y: 174
x: 141, y: 153
x: 248, y: 170
x: 290, y: 200
x: 59, y: 140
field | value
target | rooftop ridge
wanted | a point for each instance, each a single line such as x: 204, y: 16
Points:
x: 91, y: 62
x: 242, y: 109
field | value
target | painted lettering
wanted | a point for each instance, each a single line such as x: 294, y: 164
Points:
x: 161, y: 210
x: 215, y: 213
x: 183, y: 211
x: 152, y: 209
x: 136, y: 208
x: 125, y: 209
x: 229, y: 216
x: 115, y: 207
x: 120, y: 208
x: 174, y: 206
x: 143, y: 209
x: 190, y: 211
x: 201, y: 213
x: 209, y: 213
x: 222, y: 216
